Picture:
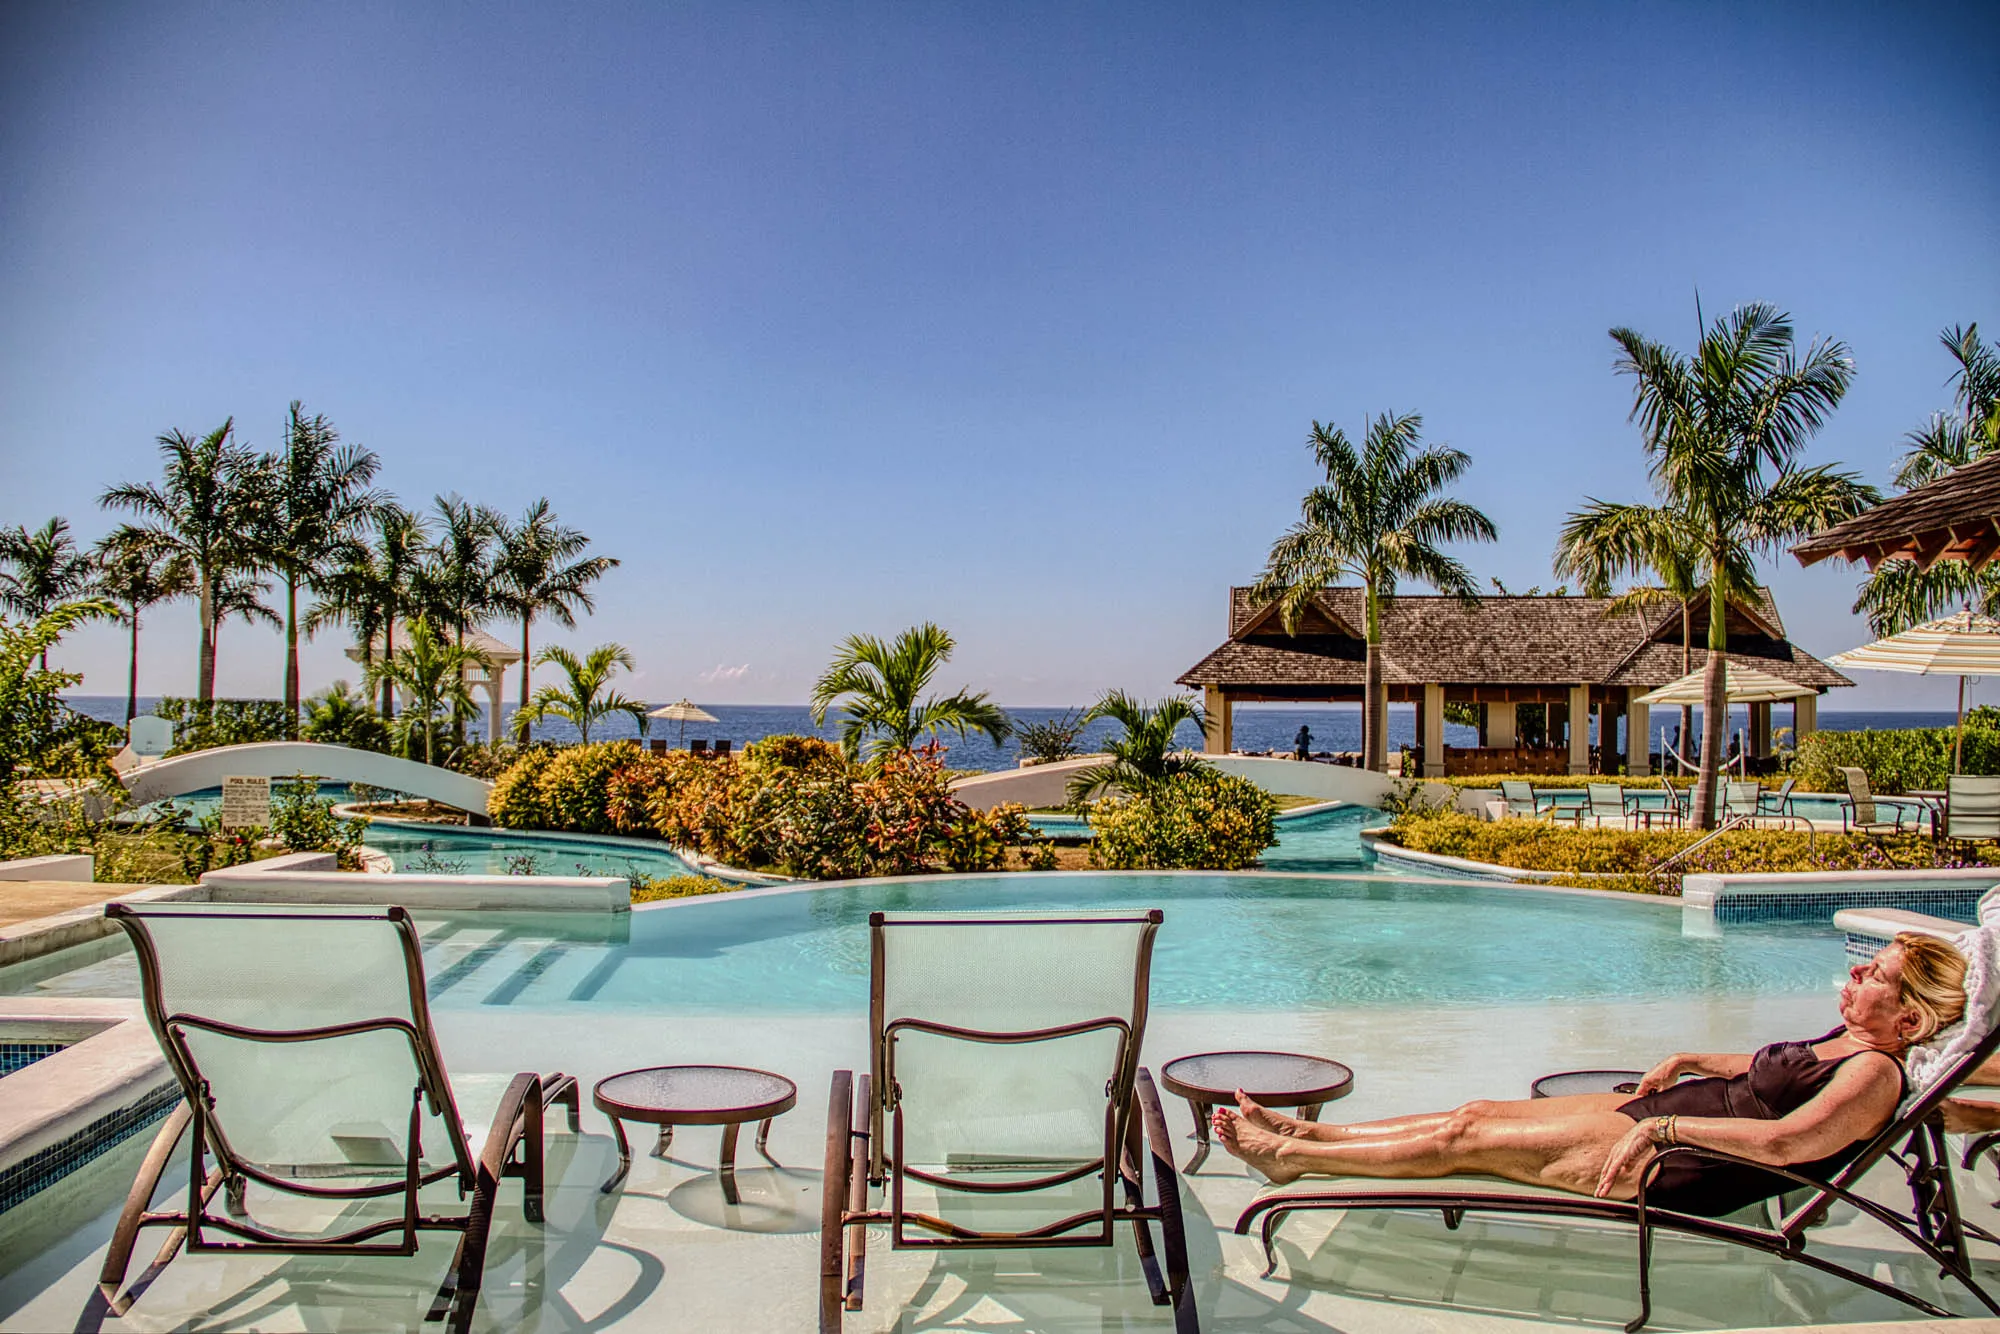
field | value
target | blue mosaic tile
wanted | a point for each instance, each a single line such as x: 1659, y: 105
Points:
x: 20, y: 1055
x: 1959, y: 903
x: 41, y: 1170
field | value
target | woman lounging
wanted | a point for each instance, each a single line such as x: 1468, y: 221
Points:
x: 1809, y: 1105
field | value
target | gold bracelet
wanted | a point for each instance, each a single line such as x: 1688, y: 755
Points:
x: 1673, y: 1130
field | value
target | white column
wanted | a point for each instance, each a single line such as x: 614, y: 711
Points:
x: 1221, y: 722
x: 1805, y: 717
x: 1500, y: 730
x: 1579, y: 729
x: 1639, y: 738
x: 1433, y: 729
x: 493, y: 709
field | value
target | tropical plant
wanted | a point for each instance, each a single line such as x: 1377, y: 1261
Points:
x: 137, y: 572
x: 585, y: 698
x: 1897, y: 594
x: 368, y: 587
x: 454, y: 585
x: 1379, y: 518
x: 340, y: 716
x: 879, y: 686
x: 542, y: 571
x: 202, y: 509
x: 206, y: 724
x: 303, y: 821
x: 1723, y: 432
x: 1604, y: 542
x: 315, y: 495
x: 41, y: 571
x: 239, y: 594
x: 1146, y: 753
x: 1054, y: 739
x: 35, y: 724
x: 430, y: 670
x: 1200, y: 819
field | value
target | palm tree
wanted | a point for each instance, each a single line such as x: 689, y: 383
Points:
x: 1605, y: 542
x: 1378, y: 517
x: 240, y: 594
x: 369, y: 585
x: 1898, y: 595
x: 430, y: 669
x: 1146, y: 753
x: 880, y: 684
x: 31, y: 712
x: 586, y: 699
x: 454, y: 584
x: 1712, y: 426
x: 45, y: 570
x: 317, y: 494
x: 136, y: 572
x: 202, y: 509
x: 543, y: 571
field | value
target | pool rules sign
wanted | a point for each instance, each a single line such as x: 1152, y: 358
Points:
x: 246, y: 803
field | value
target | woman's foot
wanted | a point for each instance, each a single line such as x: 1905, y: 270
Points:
x: 1265, y: 1119
x: 1256, y: 1146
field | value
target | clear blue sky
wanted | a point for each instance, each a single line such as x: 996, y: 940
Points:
x: 1016, y: 317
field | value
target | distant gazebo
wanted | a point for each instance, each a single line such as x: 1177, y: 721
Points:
x: 1570, y: 654
x: 501, y: 656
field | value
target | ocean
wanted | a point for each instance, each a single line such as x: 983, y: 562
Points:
x: 1258, y: 727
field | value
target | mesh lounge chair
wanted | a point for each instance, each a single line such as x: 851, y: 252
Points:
x: 1914, y: 1141
x: 1520, y: 798
x: 1779, y: 802
x: 1741, y: 799
x: 1862, y: 816
x: 1972, y: 809
x: 722, y: 748
x: 698, y: 748
x: 999, y: 1088
x: 1605, y: 803
x: 302, y: 1041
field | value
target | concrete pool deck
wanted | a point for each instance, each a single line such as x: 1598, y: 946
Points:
x: 665, y: 1253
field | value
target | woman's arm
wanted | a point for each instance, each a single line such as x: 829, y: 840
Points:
x: 1855, y: 1104
x: 1722, y: 1065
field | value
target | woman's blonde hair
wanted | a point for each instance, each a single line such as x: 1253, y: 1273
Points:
x: 1933, y: 981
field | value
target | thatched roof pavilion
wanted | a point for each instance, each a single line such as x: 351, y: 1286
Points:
x: 1572, y: 654
x: 1957, y: 517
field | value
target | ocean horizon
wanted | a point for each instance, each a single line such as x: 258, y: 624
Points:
x: 1257, y: 727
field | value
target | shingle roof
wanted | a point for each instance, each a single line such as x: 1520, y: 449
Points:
x: 1493, y: 641
x: 1957, y: 517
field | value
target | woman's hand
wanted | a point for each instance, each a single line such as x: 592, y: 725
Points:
x: 1664, y: 1074
x: 1634, y: 1149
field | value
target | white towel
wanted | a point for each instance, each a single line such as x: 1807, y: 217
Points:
x: 1929, y: 1062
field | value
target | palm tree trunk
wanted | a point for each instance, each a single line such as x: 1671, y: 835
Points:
x: 389, y: 656
x: 457, y: 712
x: 1375, y: 707
x: 204, y: 678
x: 1714, y: 707
x: 291, y: 658
x: 527, y: 729
x: 132, y: 675
x: 1687, y: 665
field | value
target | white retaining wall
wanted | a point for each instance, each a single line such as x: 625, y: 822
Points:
x: 48, y: 868
x: 202, y: 769
x: 314, y: 877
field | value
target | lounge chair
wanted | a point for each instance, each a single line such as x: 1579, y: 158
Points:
x: 722, y: 748
x: 303, y: 1045
x: 659, y: 747
x: 1862, y: 816
x: 1779, y: 802
x: 1741, y: 799
x: 1913, y: 1141
x: 1520, y: 798
x: 1972, y: 809
x: 699, y: 748
x: 1604, y: 802
x: 1004, y: 1067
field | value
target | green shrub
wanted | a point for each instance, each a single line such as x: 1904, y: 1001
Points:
x: 222, y: 722
x: 575, y: 785
x: 516, y: 800
x: 1198, y: 820
x: 790, y: 751
x: 681, y: 887
x: 304, y: 821
x: 1053, y: 740
x: 1895, y: 760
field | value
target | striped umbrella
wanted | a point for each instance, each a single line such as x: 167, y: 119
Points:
x: 1963, y: 645
x: 1744, y: 685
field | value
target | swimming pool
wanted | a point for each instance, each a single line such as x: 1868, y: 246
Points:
x: 1239, y: 942
x: 453, y: 850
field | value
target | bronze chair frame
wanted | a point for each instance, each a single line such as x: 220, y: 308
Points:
x: 1933, y: 1224
x: 859, y: 1156
x: 513, y: 1146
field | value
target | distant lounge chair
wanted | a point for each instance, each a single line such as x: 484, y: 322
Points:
x: 1913, y: 1141
x: 659, y: 747
x: 1741, y: 799
x: 1604, y: 802
x: 1779, y: 802
x: 722, y: 748
x: 1004, y: 1074
x: 698, y: 748
x: 1520, y: 798
x: 1861, y: 815
x: 303, y: 1044
x: 1972, y: 809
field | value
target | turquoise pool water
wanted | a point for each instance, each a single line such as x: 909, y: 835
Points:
x: 1234, y: 942
x: 449, y: 850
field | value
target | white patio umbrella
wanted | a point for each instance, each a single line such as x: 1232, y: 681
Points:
x: 1963, y: 645
x: 683, y: 712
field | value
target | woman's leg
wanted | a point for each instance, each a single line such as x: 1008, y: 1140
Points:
x: 1560, y: 1146
x: 1331, y: 1132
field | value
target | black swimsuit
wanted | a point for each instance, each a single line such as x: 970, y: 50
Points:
x: 1782, y: 1078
